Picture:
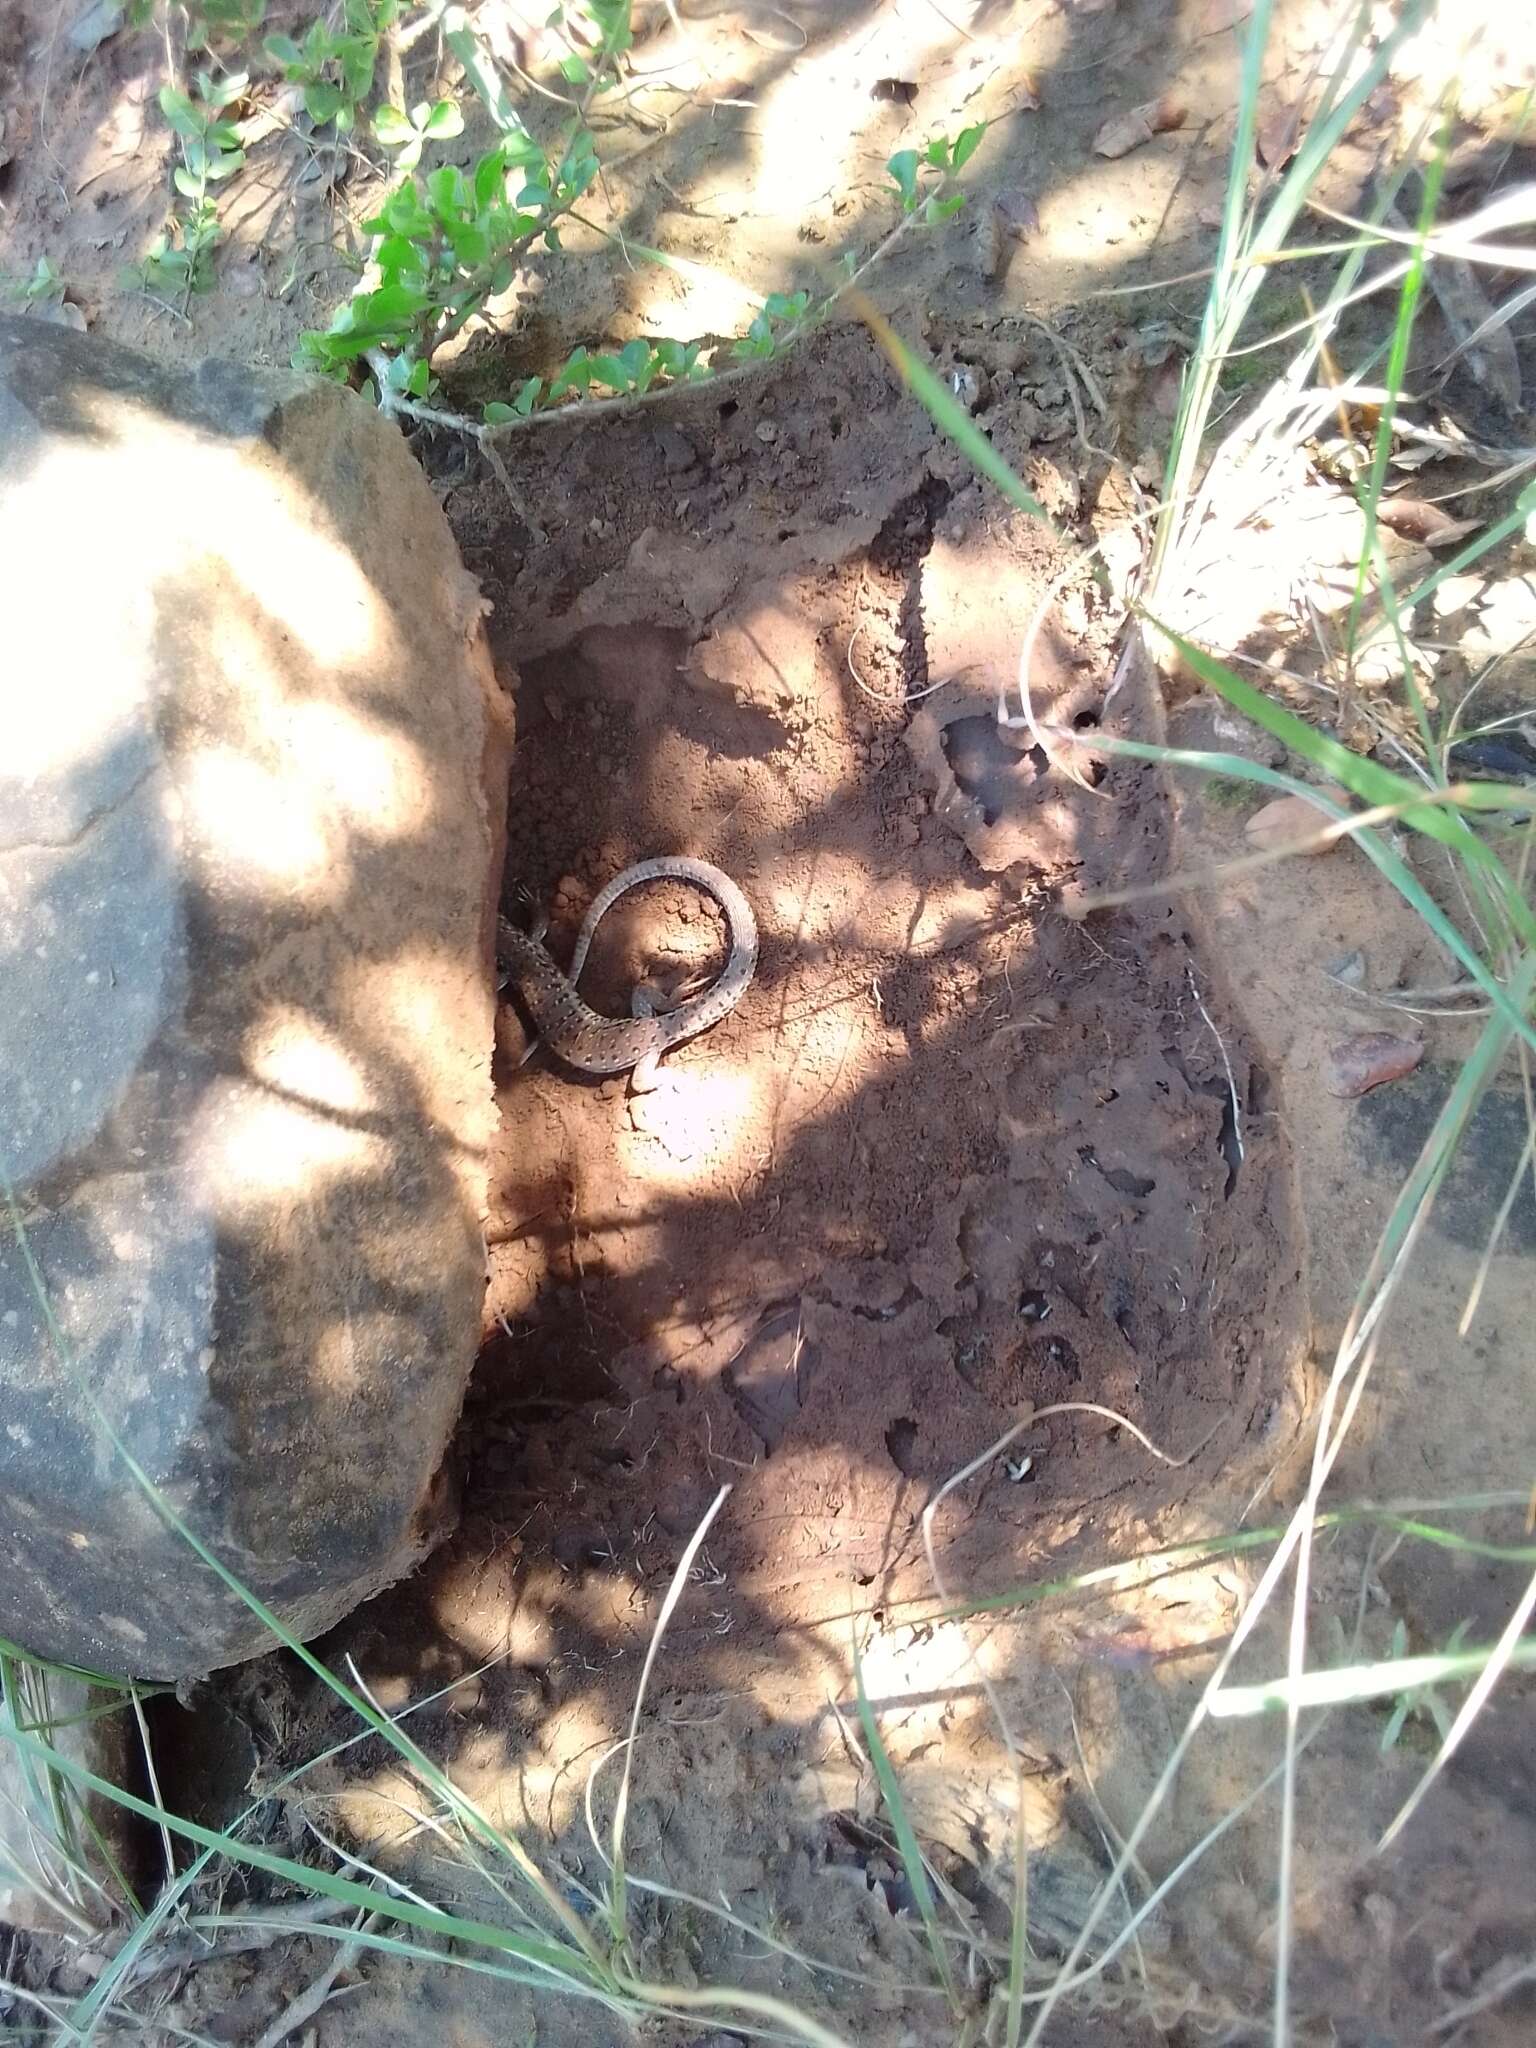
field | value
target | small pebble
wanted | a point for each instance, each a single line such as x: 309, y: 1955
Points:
x: 1348, y: 968
x: 1282, y: 823
x: 766, y: 431
x: 1356, y: 1065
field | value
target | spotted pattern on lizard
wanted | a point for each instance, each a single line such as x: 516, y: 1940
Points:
x: 581, y: 1036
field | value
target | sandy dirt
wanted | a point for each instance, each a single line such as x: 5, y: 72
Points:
x: 958, y: 1155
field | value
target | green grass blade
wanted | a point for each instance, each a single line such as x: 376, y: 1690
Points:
x: 1352, y: 1683
x: 901, y: 1825
x: 616, y: 1899
x: 948, y: 414
x: 1397, y: 370
x: 1365, y: 778
x: 547, y: 1955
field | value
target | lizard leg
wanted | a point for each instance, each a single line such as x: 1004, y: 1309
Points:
x: 537, y: 932
x: 644, y: 1078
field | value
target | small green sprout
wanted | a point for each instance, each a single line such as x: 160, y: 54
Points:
x: 408, y: 134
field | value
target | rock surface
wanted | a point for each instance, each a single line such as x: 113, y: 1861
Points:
x: 251, y: 819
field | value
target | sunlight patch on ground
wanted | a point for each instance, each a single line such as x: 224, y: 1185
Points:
x: 297, y: 1057
x: 257, y: 1150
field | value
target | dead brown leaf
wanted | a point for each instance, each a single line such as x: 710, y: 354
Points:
x: 1418, y: 519
x: 1277, y: 133
x: 1124, y: 132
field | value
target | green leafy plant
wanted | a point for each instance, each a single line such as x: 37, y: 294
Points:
x: 611, y: 19
x: 641, y: 366
x: 1419, y: 1701
x: 913, y: 171
x: 43, y: 287
x: 781, y: 312
x: 445, y: 244
x: 442, y: 246
x: 222, y: 21
x: 408, y: 134
x: 181, y: 258
x: 204, y: 23
x: 335, y: 67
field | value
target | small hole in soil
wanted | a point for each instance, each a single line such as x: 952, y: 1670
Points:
x: 901, y: 1442
x: 730, y: 406
x: 1058, y: 1355
x: 1137, y: 1185
x: 993, y: 775
x: 1231, y: 1150
x: 1033, y: 1306
x: 1086, y: 721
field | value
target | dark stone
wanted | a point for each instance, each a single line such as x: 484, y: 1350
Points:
x: 251, y: 815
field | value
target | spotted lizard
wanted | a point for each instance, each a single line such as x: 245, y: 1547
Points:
x: 596, y: 1044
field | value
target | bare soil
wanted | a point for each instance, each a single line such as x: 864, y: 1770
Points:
x: 960, y: 1155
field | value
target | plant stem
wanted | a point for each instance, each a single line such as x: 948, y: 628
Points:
x: 630, y: 401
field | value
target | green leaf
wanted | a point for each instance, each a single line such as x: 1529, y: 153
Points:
x: 497, y: 415
x: 471, y: 245
x: 967, y: 143
x: 527, y: 392
x: 45, y: 281
x: 420, y: 381
x: 483, y: 75
x: 635, y: 355
x: 575, y: 70
x: 901, y: 1827
x: 392, y: 128
x: 941, y: 209
x: 609, y: 370
x: 490, y: 177
x: 903, y: 168
x: 323, y: 101
x: 226, y: 164
x: 393, y: 305
x: 447, y: 193
x: 357, y: 55
x: 404, y: 214
x: 552, y: 239
x: 185, y: 183
x: 676, y: 358
x: 445, y: 119
x: 397, y: 256
x: 937, y: 153
x: 180, y: 112
x: 575, y: 376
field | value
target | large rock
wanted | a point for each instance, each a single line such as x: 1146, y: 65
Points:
x: 252, y: 793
